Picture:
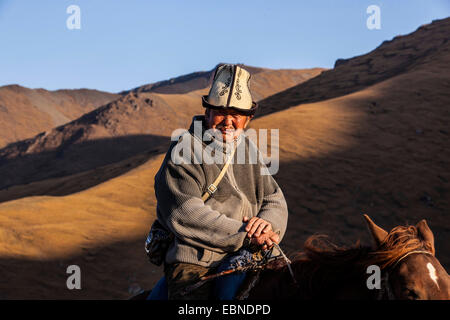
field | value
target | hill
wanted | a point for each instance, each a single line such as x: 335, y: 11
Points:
x: 26, y: 112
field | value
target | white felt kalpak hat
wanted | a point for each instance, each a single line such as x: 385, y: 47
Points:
x: 230, y: 89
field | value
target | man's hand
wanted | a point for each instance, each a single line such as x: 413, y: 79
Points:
x: 261, y: 233
x: 257, y: 226
x: 266, y: 240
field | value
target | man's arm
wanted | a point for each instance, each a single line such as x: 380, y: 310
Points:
x: 182, y: 210
x: 274, y: 207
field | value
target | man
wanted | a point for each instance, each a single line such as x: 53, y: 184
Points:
x: 245, y: 208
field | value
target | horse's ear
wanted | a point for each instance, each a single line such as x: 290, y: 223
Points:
x: 378, y: 234
x: 426, y: 234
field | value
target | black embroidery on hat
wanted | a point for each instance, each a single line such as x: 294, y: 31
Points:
x: 226, y: 84
x: 225, y: 87
x: 238, y: 86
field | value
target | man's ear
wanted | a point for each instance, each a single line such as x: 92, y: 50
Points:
x: 207, y: 114
x: 248, y: 121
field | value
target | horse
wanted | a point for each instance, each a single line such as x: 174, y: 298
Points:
x: 405, y: 258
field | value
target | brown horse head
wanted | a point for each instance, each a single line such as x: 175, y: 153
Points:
x: 407, y: 255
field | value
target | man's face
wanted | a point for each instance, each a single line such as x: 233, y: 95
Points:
x: 229, y: 122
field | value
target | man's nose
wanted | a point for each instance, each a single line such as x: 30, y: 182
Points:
x: 228, y: 120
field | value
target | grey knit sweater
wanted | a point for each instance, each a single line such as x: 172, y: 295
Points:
x: 206, y: 231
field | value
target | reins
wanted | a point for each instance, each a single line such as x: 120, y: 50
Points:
x: 288, y: 262
x: 251, y: 266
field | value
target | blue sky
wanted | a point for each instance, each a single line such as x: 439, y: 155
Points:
x: 124, y: 44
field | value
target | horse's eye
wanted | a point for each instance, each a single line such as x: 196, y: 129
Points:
x: 412, y: 295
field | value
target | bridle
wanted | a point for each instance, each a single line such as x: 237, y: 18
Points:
x: 386, y: 288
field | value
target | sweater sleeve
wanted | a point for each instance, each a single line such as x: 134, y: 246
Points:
x: 178, y: 191
x: 274, y: 206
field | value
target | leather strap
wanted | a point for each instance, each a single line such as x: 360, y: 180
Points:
x: 213, y: 187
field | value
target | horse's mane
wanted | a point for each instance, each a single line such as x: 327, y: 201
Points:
x: 323, y: 262
x: 399, y: 242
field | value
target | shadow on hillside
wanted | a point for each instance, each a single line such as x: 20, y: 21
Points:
x: 113, y: 271
x: 92, y: 161
x: 396, y: 171
x: 329, y: 84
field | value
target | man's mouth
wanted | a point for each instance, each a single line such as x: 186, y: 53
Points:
x: 227, y: 130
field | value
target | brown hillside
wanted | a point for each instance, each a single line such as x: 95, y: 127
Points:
x: 26, y: 112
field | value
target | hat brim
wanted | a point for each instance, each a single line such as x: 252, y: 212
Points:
x: 247, y: 112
